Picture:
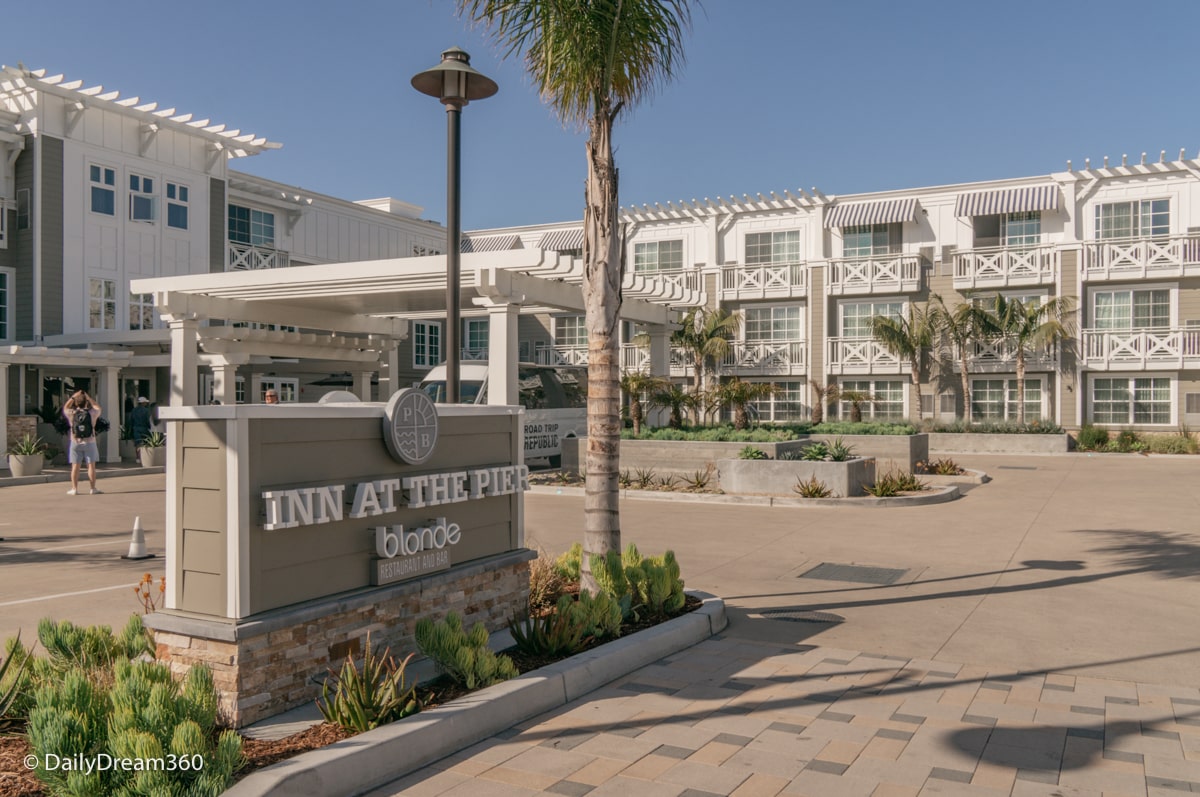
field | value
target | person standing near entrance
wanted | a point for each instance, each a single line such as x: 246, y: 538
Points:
x: 82, y: 413
x: 140, y: 421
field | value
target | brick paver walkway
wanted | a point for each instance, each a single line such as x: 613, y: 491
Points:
x: 732, y: 717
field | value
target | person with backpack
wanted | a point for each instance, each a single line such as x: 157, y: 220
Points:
x: 82, y: 412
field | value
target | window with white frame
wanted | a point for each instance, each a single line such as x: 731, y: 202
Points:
x: 141, y: 198
x: 864, y: 240
x: 857, y: 317
x: 1146, y: 218
x: 996, y: 399
x: 427, y: 343
x: 1131, y: 400
x: 886, y: 398
x: 475, y: 336
x: 570, y: 331
x: 1132, y: 309
x: 782, y: 322
x: 103, y: 182
x: 177, y: 206
x: 102, y: 303
x: 1021, y: 229
x: 785, y: 404
x: 288, y: 390
x: 141, y: 311
x: 773, y: 248
x: 7, y: 276
x: 653, y: 256
x: 251, y: 226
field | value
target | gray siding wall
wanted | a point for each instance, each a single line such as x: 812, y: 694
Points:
x: 1189, y: 300
x: 217, y: 220
x: 8, y: 256
x: 51, y: 207
x: 201, y: 498
x: 21, y: 246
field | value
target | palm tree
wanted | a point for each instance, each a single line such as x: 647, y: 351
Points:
x: 636, y: 385
x: 822, y: 395
x: 958, y: 329
x: 856, y: 399
x: 707, y: 337
x: 674, y: 398
x: 589, y: 60
x: 1028, y: 326
x: 737, y: 394
x: 909, y: 339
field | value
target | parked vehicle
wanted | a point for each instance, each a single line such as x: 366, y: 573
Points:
x: 554, y: 398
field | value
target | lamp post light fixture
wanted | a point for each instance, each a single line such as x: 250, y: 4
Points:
x: 455, y: 83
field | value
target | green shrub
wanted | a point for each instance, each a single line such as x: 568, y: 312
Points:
x: 723, y: 434
x: 885, y: 486
x: 812, y: 488
x: 464, y: 656
x: 752, y: 452
x: 558, y: 632
x: 1174, y: 444
x: 379, y: 694
x: 14, y: 684
x: 92, y: 647
x: 699, y: 479
x: 640, y: 585
x: 839, y: 451
x: 941, y: 467
x: 601, y: 613
x: 817, y: 452
x: 1036, y: 426
x: 908, y: 483
x: 1127, y: 441
x: 643, y: 478
x: 569, y: 564
x: 874, y: 428
x: 1092, y: 438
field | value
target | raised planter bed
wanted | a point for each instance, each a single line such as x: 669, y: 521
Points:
x: 967, y: 477
x: 891, y: 451
x: 978, y: 443
x: 775, y: 477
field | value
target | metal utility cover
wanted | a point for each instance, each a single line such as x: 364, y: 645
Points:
x: 858, y: 574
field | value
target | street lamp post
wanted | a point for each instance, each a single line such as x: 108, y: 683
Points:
x: 455, y: 83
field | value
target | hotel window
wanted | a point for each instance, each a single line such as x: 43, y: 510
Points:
x: 104, y: 189
x: 888, y: 394
x: 773, y: 323
x: 857, y: 317
x: 251, y: 226
x: 1022, y: 229
x: 419, y: 250
x: 141, y: 311
x: 657, y: 256
x: 475, y: 336
x: 1147, y: 218
x: 1122, y: 400
x: 102, y: 304
x: 784, y: 405
x: 771, y: 248
x: 141, y: 198
x: 427, y: 343
x: 996, y: 399
x: 177, y: 206
x: 1132, y: 309
x: 6, y: 292
x: 864, y: 240
x: 23, y: 209
x: 570, y: 331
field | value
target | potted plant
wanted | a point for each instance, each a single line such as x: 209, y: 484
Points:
x: 128, y: 447
x: 153, y: 450
x: 27, y: 456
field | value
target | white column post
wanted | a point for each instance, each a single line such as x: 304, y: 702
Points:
x: 110, y: 400
x: 4, y: 414
x: 390, y: 358
x: 362, y: 385
x: 255, y: 389
x: 184, y: 360
x: 660, y: 351
x: 502, y: 352
x: 224, y: 385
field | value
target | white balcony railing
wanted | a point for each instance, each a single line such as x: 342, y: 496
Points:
x: 1141, y: 349
x: 765, y: 357
x: 477, y: 353
x: 245, y: 257
x: 561, y: 355
x: 635, y: 358
x: 862, y: 356
x: 1000, y: 356
x: 1131, y: 258
x: 878, y: 274
x: 1004, y: 266
x: 764, y: 281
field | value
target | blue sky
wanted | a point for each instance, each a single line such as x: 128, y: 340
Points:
x: 849, y: 96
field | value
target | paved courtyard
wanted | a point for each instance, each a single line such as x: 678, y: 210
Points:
x: 1035, y: 637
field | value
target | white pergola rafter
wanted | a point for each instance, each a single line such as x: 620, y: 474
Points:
x: 695, y: 209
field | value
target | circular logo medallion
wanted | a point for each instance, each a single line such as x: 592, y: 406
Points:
x: 410, y: 426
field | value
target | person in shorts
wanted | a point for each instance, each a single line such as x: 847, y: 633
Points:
x: 83, y: 449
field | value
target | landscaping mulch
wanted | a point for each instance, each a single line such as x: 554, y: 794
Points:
x: 15, y: 779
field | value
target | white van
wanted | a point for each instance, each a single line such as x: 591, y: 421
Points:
x: 554, y: 398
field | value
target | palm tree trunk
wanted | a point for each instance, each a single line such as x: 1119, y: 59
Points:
x: 741, y: 420
x: 1020, y: 386
x: 914, y: 411
x: 635, y: 414
x: 602, y: 302
x: 966, y: 383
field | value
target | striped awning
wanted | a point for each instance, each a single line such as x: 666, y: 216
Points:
x: 562, y: 240
x: 886, y: 212
x: 1012, y: 200
x: 495, y: 243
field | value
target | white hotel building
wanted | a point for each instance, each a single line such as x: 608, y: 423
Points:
x: 97, y: 190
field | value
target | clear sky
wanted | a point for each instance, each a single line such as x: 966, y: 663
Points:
x: 845, y: 95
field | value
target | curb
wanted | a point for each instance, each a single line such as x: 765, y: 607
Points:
x: 374, y: 758
x: 48, y: 478
x: 936, y: 495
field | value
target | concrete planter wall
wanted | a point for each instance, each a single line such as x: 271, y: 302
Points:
x: 905, y: 450
x: 974, y: 443
x: 773, y: 477
x: 673, y: 456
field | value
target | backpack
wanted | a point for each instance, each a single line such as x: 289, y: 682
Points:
x: 81, y: 425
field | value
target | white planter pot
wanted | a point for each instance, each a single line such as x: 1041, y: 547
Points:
x: 26, y: 464
x: 153, y: 457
